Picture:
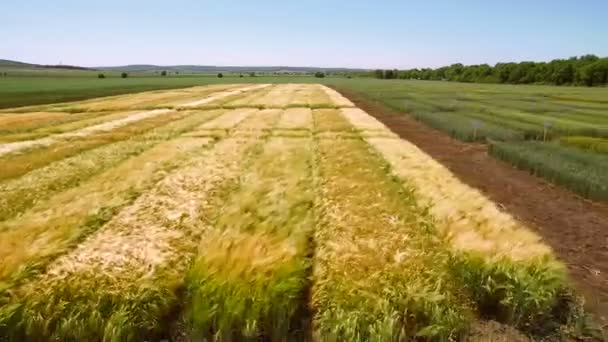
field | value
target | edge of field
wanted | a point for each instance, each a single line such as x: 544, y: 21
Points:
x: 565, y: 220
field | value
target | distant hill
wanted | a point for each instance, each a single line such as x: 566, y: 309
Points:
x: 180, y: 68
x: 211, y: 68
x: 14, y: 64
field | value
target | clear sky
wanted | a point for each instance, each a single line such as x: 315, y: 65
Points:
x: 329, y: 33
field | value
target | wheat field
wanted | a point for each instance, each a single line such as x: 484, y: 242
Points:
x: 239, y: 212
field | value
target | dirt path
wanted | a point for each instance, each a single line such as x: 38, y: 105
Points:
x: 576, y: 228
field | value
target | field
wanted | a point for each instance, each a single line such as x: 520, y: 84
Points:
x: 524, y: 125
x: 239, y: 211
x: 537, y: 128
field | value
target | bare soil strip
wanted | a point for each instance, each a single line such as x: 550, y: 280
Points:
x: 576, y: 229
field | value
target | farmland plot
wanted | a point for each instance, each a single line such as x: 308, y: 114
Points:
x: 288, y: 214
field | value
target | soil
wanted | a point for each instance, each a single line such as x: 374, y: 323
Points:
x: 576, y: 228
x: 492, y: 331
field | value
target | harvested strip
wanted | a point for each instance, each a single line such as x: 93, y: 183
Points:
x: 122, y: 282
x: 29, y: 242
x: 103, y: 127
x: 296, y: 118
x: 14, y: 165
x: 381, y: 271
x: 19, y: 194
x: 337, y: 98
x: 504, y: 264
x: 256, y: 252
x: 223, y: 95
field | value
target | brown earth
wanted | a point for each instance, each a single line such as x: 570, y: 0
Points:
x: 576, y: 228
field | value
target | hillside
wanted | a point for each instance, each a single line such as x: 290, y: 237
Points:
x: 211, y: 68
x: 5, y: 63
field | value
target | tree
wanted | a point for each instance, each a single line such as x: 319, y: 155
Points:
x: 389, y: 74
x: 319, y: 74
x: 101, y: 76
x: 587, y: 70
x: 252, y: 74
x: 240, y: 75
x: 124, y: 75
x: 163, y: 73
x: 220, y: 75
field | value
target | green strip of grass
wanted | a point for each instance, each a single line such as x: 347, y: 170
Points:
x: 580, y: 171
x: 597, y: 145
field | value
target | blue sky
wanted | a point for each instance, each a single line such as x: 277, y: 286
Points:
x: 330, y: 33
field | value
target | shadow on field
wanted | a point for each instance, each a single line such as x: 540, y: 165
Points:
x: 576, y: 228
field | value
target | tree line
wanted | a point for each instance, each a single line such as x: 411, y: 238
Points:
x: 588, y: 70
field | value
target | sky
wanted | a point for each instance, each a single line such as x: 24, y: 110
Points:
x: 331, y: 33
